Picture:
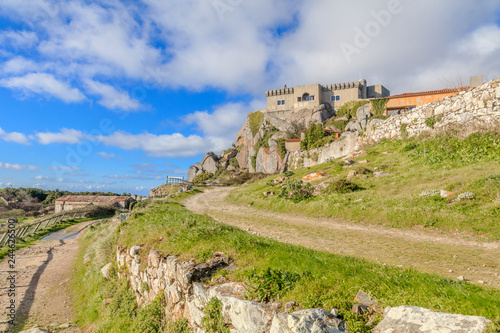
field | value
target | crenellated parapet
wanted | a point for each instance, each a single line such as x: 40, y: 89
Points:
x: 342, y: 86
x: 280, y: 92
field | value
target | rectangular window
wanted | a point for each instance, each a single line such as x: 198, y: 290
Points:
x: 299, y: 99
x: 333, y: 98
x: 279, y: 102
x: 337, y: 98
x: 283, y: 102
x: 312, y: 98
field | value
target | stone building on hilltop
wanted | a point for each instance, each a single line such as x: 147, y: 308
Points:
x: 281, y: 102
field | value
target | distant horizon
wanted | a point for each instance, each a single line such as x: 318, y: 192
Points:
x: 112, y: 96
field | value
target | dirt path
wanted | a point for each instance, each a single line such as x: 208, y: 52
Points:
x: 428, y: 251
x: 42, y: 281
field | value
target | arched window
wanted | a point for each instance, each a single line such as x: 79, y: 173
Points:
x: 305, y: 97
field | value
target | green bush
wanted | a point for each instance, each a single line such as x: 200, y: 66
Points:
x: 349, y: 109
x: 430, y: 122
x: 234, y: 162
x: 379, y: 106
x: 271, y: 283
x: 404, y: 130
x: 151, y: 318
x: 202, y: 177
x: 296, y: 191
x: 343, y: 186
x: 281, y: 147
x: 213, y: 322
x: 255, y: 120
x: 313, y: 137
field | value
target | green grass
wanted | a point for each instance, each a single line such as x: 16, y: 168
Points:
x: 110, y: 305
x: 310, y: 278
x: 415, y: 165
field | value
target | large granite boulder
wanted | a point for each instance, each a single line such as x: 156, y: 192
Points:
x: 193, y: 171
x: 419, y: 320
x: 210, y: 163
x: 363, y: 112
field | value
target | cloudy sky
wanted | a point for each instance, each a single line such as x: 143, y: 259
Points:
x: 115, y: 95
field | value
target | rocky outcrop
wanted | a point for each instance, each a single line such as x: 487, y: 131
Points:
x: 346, y: 144
x: 420, y: 320
x: 468, y: 111
x: 309, y: 116
x: 186, y: 296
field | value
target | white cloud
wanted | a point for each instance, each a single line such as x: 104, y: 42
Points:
x: 14, y: 137
x: 49, y: 179
x: 249, y: 46
x: 18, y: 39
x: 66, y: 135
x: 19, y: 65
x: 18, y: 167
x: 43, y: 84
x: 63, y: 168
x: 221, y: 126
x: 111, y: 98
x: 108, y: 156
x: 166, y: 145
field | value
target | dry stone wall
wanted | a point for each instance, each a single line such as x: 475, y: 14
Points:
x: 186, y: 297
x: 468, y: 111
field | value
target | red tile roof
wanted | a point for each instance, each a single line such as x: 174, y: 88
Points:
x: 431, y: 92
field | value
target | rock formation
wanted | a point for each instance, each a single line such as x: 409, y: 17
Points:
x: 468, y: 111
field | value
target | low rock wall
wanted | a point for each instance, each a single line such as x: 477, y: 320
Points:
x: 186, y: 297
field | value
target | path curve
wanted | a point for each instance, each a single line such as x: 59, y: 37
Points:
x: 42, y: 280
x: 430, y: 251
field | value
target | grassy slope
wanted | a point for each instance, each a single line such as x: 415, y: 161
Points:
x: 416, y: 165
x: 327, y: 281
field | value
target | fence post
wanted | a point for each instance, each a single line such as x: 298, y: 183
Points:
x: 3, y: 237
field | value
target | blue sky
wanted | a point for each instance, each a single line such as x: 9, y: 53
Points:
x: 115, y: 95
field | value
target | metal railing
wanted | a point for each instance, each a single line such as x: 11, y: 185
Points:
x: 175, y: 180
x: 27, y: 229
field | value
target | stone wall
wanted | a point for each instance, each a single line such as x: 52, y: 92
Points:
x: 186, y: 297
x: 468, y: 111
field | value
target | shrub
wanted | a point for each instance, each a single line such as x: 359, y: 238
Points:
x: 234, y: 162
x: 213, y: 322
x: 363, y: 171
x: 202, y: 177
x: 293, y: 132
x: 430, y: 122
x: 404, y: 131
x: 151, y: 318
x: 296, y: 191
x: 288, y: 173
x: 281, y: 147
x: 313, y: 138
x: 271, y: 283
x: 343, y: 186
x: 379, y: 106
x: 255, y: 120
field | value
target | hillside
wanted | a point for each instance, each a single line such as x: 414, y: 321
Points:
x: 397, y: 184
x: 261, y: 146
